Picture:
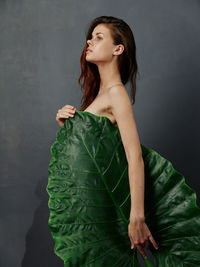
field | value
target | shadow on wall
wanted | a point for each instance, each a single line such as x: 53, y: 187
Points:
x: 39, y: 243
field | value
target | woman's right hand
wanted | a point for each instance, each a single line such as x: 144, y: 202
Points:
x: 64, y: 113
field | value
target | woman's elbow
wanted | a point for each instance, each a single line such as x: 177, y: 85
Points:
x: 135, y: 160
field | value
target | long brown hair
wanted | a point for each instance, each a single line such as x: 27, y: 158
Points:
x: 127, y: 64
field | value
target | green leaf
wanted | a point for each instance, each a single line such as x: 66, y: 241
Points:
x: 89, y: 200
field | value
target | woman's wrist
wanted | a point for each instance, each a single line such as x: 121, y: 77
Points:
x: 137, y: 217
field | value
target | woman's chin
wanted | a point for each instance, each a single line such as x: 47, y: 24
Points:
x: 89, y: 59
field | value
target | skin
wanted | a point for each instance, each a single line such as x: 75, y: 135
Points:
x: 113, y: 99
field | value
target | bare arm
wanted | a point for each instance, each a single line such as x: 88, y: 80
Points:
x: 121, y: 107
x: 122, y: 110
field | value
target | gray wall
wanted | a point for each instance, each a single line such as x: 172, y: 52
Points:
x: 40, y: 47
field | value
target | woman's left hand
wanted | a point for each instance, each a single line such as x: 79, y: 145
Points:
x: 139, y: 235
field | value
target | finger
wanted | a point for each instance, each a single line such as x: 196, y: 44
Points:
x: 65, y: 113
x: 69, y: 111
x: 71, y: 107
x: 68, y: 115
x: 132, y: 243
x: 153, y: 242
x: 72, y: 111
x: 139, y: 247
x: 68, y: 106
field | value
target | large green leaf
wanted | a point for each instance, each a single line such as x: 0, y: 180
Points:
x: 89, y: 200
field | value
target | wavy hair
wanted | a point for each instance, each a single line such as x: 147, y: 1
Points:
x: 89, y: 79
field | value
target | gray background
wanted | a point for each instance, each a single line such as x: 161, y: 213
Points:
x: 40, y: 47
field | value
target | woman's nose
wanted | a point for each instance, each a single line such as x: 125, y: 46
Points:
x: 89, y: 42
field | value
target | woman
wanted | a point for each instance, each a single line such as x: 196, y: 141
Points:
x: 108, y: 62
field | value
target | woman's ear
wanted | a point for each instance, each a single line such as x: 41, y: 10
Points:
x: 118, y: 50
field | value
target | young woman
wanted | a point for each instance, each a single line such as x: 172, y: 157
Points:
x: 111, y: 49
x: 108, y: 62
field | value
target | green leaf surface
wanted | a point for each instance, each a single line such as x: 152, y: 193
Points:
x: 89, y: 200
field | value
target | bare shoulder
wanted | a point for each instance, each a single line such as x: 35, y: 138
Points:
x: 117, y: 89
x: 118, y: 97
x: 121, y: 108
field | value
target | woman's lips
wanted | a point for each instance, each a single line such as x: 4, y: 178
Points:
x: 88, y: 50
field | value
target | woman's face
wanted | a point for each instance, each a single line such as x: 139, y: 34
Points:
x: 101, y: 45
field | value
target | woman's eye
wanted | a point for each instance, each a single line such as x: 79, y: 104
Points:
x: 98, y: 37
